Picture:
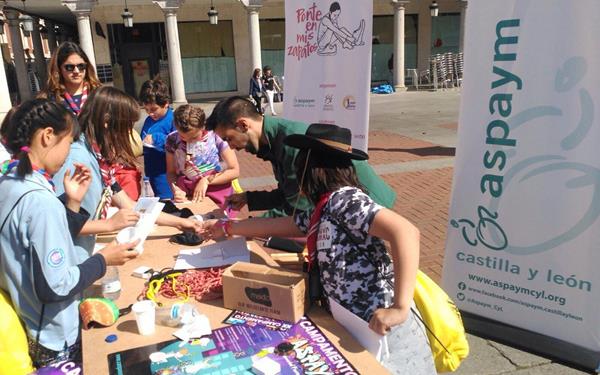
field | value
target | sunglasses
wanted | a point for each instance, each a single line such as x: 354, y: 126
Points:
x: 71, y: 67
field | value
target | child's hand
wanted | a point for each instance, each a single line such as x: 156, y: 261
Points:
x: 200, y: 190
x: 148, y: 139
x: 179, y: 195
x: 384, y: 319
x: 77, y: 185
x: 212, y: 229
x: 118, y: 254
x: 124, y: 218
x: 236, y: 201
x: 190, y: 225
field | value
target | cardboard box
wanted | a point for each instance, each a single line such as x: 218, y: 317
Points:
x: 263, y: 290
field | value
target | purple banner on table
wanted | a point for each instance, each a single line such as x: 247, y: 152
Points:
x: 302, y: 349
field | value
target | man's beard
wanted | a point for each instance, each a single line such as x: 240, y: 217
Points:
x: 251, y: 149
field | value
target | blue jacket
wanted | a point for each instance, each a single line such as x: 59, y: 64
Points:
x: 255, y: 89
x: 80, y: 153
x: 39, y: 263
x: 155, y: 158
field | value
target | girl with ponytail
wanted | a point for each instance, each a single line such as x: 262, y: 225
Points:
x: 39, y: 266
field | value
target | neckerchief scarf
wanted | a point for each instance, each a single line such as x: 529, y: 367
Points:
x: 69, y: 99
x: 108, y: 172
x: 313, y: 228
x: 8, y: 165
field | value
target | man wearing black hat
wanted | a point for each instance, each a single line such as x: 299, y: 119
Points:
x: 236, y: 120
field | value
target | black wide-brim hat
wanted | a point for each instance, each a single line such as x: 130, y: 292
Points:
x: 328, y: 139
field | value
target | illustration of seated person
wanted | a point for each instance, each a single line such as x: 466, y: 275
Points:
x: 330, y: 34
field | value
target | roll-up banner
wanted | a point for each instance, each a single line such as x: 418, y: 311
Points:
x: 523, y: 245
x: 328, y: 64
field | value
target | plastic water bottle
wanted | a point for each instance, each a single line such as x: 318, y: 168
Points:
x: 111, y: 285
x: 147, y: 188
x: 177, y: 314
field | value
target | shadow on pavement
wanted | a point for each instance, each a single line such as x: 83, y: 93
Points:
x: 423, y: 151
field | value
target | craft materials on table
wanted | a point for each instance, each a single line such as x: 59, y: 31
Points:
x: 202, y: 285
x: 214, y: 255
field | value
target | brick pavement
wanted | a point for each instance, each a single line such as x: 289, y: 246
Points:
x: 423, y: 198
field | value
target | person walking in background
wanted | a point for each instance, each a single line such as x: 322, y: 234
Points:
x: 154, y: 96
x: 256, y: 89
x: 71, y: 78
x: 270, y: 85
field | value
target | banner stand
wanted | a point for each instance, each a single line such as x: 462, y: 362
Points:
x: 549, y: 347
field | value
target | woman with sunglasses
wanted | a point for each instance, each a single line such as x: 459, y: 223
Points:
x: 72, y: 77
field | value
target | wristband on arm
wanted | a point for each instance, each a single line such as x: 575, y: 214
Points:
x: 225, y: 225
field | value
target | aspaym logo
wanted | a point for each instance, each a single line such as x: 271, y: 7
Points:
x: 558, y: 173
x: 304, y: 102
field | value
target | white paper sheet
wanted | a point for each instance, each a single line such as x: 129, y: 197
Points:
x: 214, y: 255
x: 359, y: 329
x: 199, y: 327
x: 149, y: 208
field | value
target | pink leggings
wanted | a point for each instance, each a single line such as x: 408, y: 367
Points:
x: 217, y: 193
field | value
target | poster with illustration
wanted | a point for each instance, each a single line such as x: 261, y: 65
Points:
x: 524, y: 221
x: 235, y: 350
x: 328, y: 64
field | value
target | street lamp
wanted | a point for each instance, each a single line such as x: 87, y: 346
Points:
x: 213, y: 15
x: 127, y: 17
x: 26, y: 21
x: 434, y: 9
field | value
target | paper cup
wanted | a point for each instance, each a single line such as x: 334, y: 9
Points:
x: 126, y: 235
x: 145, y: 313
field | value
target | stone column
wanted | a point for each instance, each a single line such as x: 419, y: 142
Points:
x: 38, y: 52
x: 19, y: 58
x: 463, y: 17
x: 51, y: 35
x: 5, y: 103
x: 169, y: 8
x: 254, y: 34
x: 82, y: 9
x: 399, y: 8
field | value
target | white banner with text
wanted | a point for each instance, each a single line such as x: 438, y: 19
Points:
x: 524, y: 229
x: 328, y: 64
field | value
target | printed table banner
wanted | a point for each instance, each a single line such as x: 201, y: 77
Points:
x: 524, y: 234
x: 328, y: 64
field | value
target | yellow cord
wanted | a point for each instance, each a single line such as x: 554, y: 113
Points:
x: 155, y: 285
